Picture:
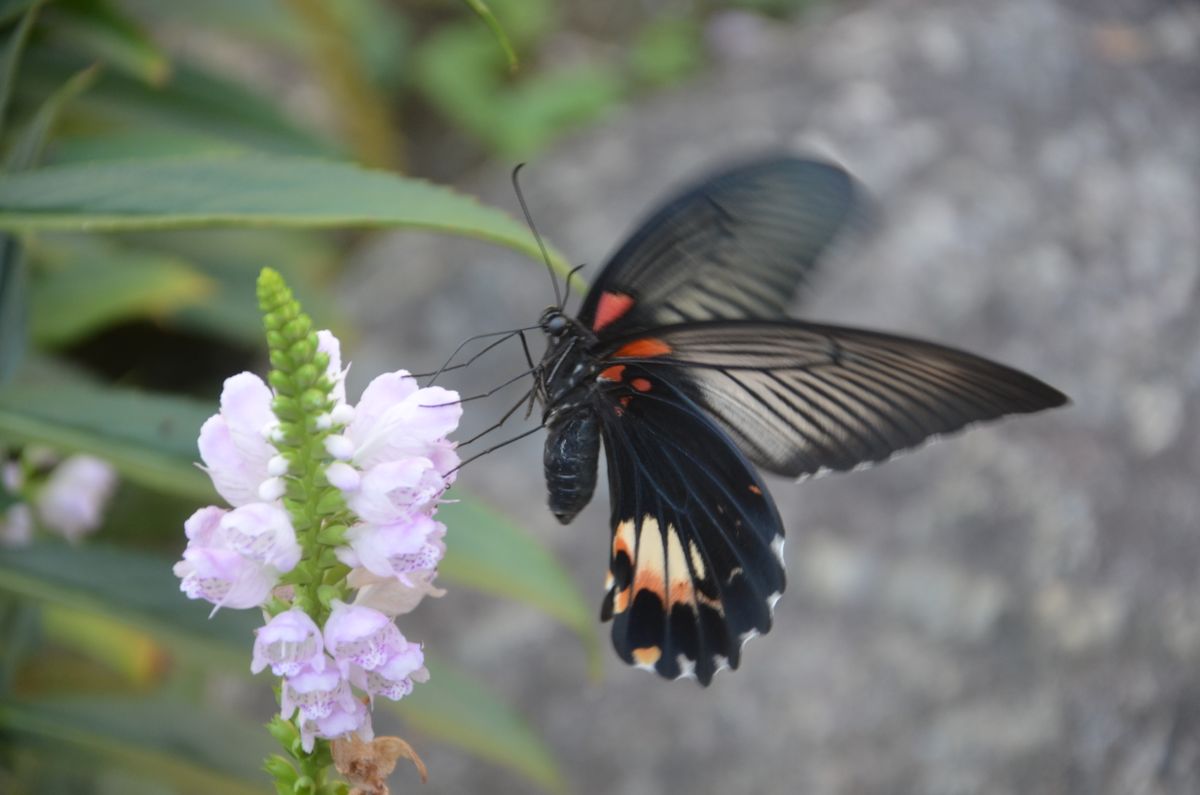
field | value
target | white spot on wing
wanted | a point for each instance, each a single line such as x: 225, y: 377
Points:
x: 777, y: 548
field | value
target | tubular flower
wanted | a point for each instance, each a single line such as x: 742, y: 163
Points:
x: 290, y: 643
x: 234, y: 442
x: 317, y: 484
x: 235, y: 558
x: 72, y: 500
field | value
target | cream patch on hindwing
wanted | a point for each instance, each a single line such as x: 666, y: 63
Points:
x: 649, y: 571
x: 623, y: 540
x: 680, y: 587
x: 697, y: 560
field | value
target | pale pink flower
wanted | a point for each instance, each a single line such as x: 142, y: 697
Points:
x: 370, y: 651
x: 396, y: 490
x: 290, y: 642
x: 16, y: 523
x: 360, y: 636
x: 344, y: 718
x: 16, y: 526
x: 396, y: 419
x: 396, y: 549
x: 72, y: 500
x: 394, y: 677
x: 234, y: 558
x: 262, y: 532
x: 11, y: 477
x: 314, y: 693
x: 234, y: 443
x: 330, y: 345
x: 389, y: 595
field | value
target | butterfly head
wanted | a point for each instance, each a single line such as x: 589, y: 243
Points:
x: 554, y: 322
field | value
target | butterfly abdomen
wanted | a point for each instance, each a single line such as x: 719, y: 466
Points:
x: 572, y: 450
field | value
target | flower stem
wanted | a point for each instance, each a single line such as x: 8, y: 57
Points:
x: 303, y: 395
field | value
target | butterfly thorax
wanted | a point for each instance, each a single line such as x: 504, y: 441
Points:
x: 565, y: 381
x: 567, y: 371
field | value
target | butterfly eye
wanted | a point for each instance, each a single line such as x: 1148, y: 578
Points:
x: 556, y: 324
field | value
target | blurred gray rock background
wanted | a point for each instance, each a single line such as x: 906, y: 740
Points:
x: 1013, y: 610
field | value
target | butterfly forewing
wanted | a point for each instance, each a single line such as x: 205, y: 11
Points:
x: 799, y: 398
x: 735, y: 246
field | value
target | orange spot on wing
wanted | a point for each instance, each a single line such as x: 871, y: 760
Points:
x: 621, y: 601
x: 610, y: 308
x: 640, y: 384
x: 612, y: 373
x: 755, y: 489
x: 651, y: 580
x: 625, y: 401
x: 647, y: 655
x: 646, y: 348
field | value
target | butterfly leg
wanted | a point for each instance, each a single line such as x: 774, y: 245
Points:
x: 520, y: 402
x: 446, y: 366
x: 495, y: 447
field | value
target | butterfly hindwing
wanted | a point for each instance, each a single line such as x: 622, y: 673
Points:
x: 800, y: 398
x: 697, y: 542
x: 737, y: 245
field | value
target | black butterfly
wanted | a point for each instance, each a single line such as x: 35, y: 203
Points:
x: 682, y: 360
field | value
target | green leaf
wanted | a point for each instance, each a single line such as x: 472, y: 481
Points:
x: 11, y: 9
x: 102, y: 30
x: 84, y: 284
x: 666, y: 51
x: 459, y: 72
x: 550, y: 104
x: 454, y: 708
x: 130, y: 586
x: 263, y: 22
x: 27, y: 151
x: 490, y: 554
x: 362, y: 111
x: 70, y: 147
x: 10, y: 57
x: 483, y: 12
x: 194, y: 105
x: 260, y: 190
x: 14, y: 299
x: 231, y: 259
x: 14, y: 306
x: 185, y: 744
x: 149, y: 438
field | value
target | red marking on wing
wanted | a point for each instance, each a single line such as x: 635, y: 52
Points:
x: 755, y: 489
x: 640, y: 384
x: 645, y: 348
x: 612, y: 373
x: 610, y: 308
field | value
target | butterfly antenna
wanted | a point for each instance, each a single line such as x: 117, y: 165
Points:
x: 570, y: 276
x: 541, y: 246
